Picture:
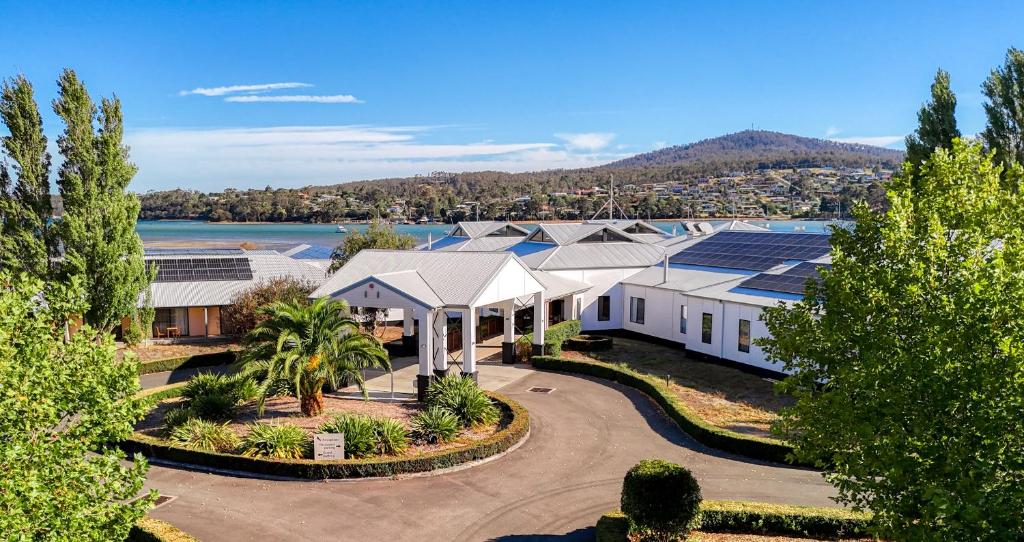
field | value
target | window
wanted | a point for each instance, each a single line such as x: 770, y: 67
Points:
x: 636, y: 310
x: 682, y: 319
x: 705, y: 328
x: 170, y: 321
x: 579, y: 308
x: 556, y: 311
x: 604, y: 308
x: 744, y: 342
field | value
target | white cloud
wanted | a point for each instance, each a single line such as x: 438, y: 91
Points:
x: 875, y: 141
x: 235, y: 89
x: 660, y: 144
x: 590, y: 141
x: 832, y: 131
x: 216, y: 158
x: 303, y: 98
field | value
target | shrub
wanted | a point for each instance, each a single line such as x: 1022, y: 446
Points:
x: 462, y: 397
x: 243, y: 314
x: 435, y: 425
x: 280, y: 441
x: 175, y: 417
x: 204, y: 435
x: 214, y: 396
x: 780, y: 519
x: 360, y: 433
x: 133, y: 335
x: 245, y: 389
x: 207, y: 384
x: 392, y: 436
x: 661, y: 498
x: 555, y: 335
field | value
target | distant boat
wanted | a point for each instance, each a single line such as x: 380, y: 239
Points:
x: 342, y: 229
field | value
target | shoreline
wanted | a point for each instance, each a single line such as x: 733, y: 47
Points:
x: 526, y: 222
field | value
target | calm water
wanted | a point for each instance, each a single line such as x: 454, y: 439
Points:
x: 183, y: 232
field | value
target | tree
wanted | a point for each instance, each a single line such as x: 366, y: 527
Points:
x: 245, y: 311
x: 1004, y: 88
x: 908, y: 370
x: 378, y: 234
x: 936, y: 122
x: 27, y: 242
x: 310, y: 346
x: 61, y: 405
x: 98, y: 226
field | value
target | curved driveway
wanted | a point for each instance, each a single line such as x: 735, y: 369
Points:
x: 584, y: 437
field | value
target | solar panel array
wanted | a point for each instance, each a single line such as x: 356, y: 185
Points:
x: 201, y: 269
x: 792, y: 281
x: 192, y: 251
x: 755, y: 251
x: 315, y: 252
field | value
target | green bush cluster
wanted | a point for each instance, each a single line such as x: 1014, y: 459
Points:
x: 436, y: 425
x: 205, y: 435
x: 276, y: 441
x: 688, y: 421
x: 589, y: 343
x: 758, y: 518
x: 661, y: 499
x: 555, y: 336
x: 210, y: 396
x: 366, y: 436
x: 463, y: 398
x: 515, y: 427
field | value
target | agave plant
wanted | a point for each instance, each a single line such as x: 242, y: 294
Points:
x: 309, y: 346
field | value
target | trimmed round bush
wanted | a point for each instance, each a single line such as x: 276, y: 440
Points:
x: 661, y: 498
x: 462, y: 397
x: 392, y: 436
x: 280, y: 441
x: 436, y: 425
x: 360, y: 433
x: 204, y: 435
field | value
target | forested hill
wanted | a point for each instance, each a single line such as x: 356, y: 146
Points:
x: 760, y: 149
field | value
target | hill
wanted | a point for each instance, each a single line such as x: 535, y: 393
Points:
x: 760, y: 149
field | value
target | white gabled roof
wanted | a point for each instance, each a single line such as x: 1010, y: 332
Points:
x: 476, y: 230
x: 433, y: 278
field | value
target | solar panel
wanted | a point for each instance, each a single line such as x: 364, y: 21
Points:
x: 201, y: 269
x: 755, y: 251
x: 192, y: 251
x: 315, y: 252
x: 792, y: 281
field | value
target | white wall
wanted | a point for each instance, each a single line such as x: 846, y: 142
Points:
x: 661, y: 312
x: 602, y: 282
x: 733, y: 312
x: 697, y: 307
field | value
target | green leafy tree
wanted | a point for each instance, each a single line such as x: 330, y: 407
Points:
x: 907, y: 363
x: 936, y: 123
x: 246, y: 309
x: 309, y: 346
x: 378, y: 234
x: 61, y: 405
x: 1004, y: 89
x: 27, y: 242
x: 98, y: 225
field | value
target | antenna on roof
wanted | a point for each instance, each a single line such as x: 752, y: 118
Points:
x: 610, y: 204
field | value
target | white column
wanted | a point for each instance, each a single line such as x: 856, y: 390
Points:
x: 469, y: 343
x: 425, y: 352
x: 539, y: 322
x: 508, y: 310
x: 407, y: 323
x: 440, y: 342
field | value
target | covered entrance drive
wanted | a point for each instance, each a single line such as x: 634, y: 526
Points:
x: 433, y: 287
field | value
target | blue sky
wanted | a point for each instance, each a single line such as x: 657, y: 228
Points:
x: 376, y: 89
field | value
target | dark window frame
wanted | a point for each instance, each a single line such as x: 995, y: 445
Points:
x: 604, y: 308
x: 743, y: 339
x: 707, y: 323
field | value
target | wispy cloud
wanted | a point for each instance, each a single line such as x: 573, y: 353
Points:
x: 832, y: 131
x: 297, y: 98
x: 300, y: 155
x: 589, y: 141
x: 237, y: 89
x: 875, y: 141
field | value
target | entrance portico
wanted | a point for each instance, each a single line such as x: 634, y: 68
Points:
x: 431, y: 288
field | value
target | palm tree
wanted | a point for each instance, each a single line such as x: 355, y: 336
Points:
x: 309, y: 346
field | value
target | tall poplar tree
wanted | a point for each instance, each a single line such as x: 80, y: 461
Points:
x: 97, y: 228
x: 27, y: 242
x: 936, y: 123
x: 1005, y: 109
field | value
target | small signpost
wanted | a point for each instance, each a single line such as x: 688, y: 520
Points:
x: 328, y: 446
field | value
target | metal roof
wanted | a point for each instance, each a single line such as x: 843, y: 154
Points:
x: 444, y: 278
x: 477, y: 229
x: 596, y: 256
x: 556, y: 286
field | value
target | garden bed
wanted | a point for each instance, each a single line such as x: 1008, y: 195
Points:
x: 472, y: 445
x: 722, y: 396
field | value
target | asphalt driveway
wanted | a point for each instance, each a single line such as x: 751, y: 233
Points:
x: 585, y: 436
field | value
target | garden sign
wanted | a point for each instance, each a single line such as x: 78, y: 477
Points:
x: 328, y: 446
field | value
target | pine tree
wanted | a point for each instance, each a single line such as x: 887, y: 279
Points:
x: 1005, y: 110
x: 27, y: 242
x: 936, y: 123
x: 98, y: 225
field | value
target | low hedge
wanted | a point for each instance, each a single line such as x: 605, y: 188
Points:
x: 556, y: 335
x: 757, y: 518
x: 187, y: 362
x: 160, y: 393
x: 515, y: 423
x: 688, y: 421
x: 589, y: 343
x: 154, y: 530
